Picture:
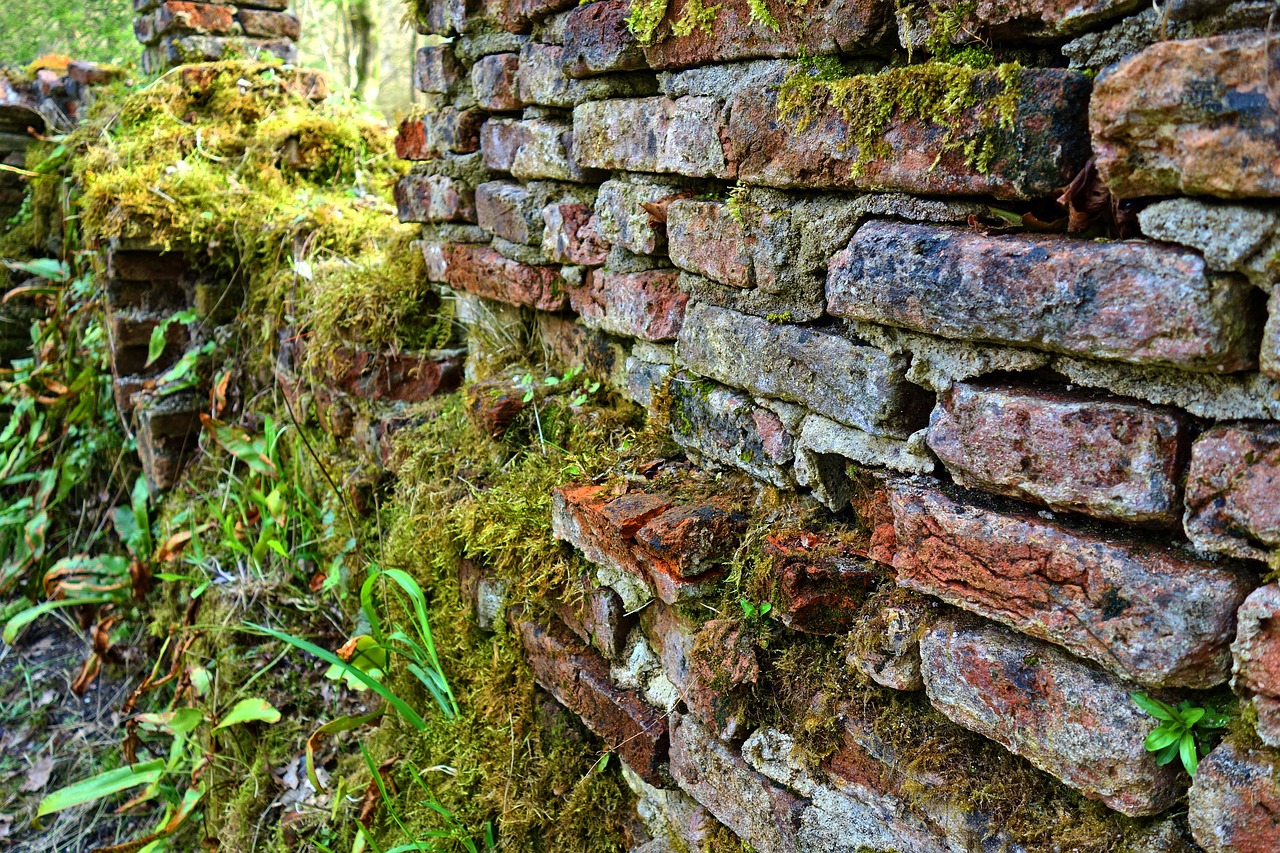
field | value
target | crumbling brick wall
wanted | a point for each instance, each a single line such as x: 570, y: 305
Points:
x: 1053, y: 422
x: 176, y: 32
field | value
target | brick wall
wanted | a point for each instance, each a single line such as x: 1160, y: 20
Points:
x: 177, y: 32
x: 1007, y: 321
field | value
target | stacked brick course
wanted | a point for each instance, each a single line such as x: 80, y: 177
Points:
x: 1069, y: 441
x: 177, y: 32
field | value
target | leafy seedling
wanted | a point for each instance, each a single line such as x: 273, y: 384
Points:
x: 1181, y: 732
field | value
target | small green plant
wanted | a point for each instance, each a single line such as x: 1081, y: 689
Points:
x: 1181, y: 732
x: 164, y: 777
x: 754, y: 612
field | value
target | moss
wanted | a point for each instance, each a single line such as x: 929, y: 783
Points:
x: 645, y: 18
x: 760, y: 14
x: 697, y: 16
x: 938, y: 93
x: 783, y: 317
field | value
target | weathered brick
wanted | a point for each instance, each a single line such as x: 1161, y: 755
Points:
x: 518, y: 15
x: 1190, y: 118
x: 644, y: 543
x: 1003, y: 21
x: 500, y: 140
x: 434, y: 198
x: 727, y: 427
x: 437, y: 70
x: 542, y: 80
x: 740, y: 32
x: 757, y: 809
x: 547, y: 154
x: 261, y: 23
x: 1148, y: 611
x: 494, y: 404
x: 1235, y: 801
x: 825, y: 449
x: 854, y: 384
x: 625, y: 213
x: 1127, y: 301
x: 1256, y: 654
x: 92, y: 73
x: 887, y: 645
x: 1233, y: 490
x: 597, y: 40
x: 493, y: 80
x: 722, y: 663
x: 597, y: 617
x: 129, y: 265
x: 569, y: 235
x: 646, y: 305
x: 769, y: 251
x: 579, y: 679
x: 821, y: 579
x: 382, y: 376
x: 1106, y: 457
x: 509, y: 210
x: 599, y: 355
x: 449, y: 130
x: 177, y: 16
x: 482, y: 271
x: 1066, y: 717
x: 1035, y: 153
x: 680, y: 136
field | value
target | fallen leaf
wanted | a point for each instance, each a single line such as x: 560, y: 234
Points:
x: 38, y: 776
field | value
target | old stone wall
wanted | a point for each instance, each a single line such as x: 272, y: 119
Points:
x: 989, y: 282
x: 176, y: 32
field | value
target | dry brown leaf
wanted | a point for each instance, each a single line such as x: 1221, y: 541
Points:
x: 38, y: 776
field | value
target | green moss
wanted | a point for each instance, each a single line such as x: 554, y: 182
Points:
x: 783, y: 317
x: 645, y: 18
x: 760, y: 14
x: 697, y: 16
x: 941, y: 94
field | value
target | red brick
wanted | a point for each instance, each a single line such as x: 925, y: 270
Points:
x: 1190, y: 118
x: 674, y: 552
x: 437, y: 70
x: 569, y: 235
x: 1127, y: 301
x: 686, y: 540
x: 1066, y: 717
x: 1256, y: 651
x: 1044, y: 146
x: 201, y: 18
x: 501, y: 140
x: 579, y: 679
x: 507, y: 209
x: 1105, y: 457
x: 493, y: 81
x: 271, y: 25
x: 597, y: 40
x: 146, y: 266
x: 1235, y: 801
x: 822, y: 579
x: 721, y: 664
x: 1233, y: 490
x: 1146, y: 610
x: 648, y: 305
x: 434, y: 198
x: 412, y: 142
x: 598, y: 618
x: 829, y: 26
x: 382, y: 376
x: 493, y: 405
x: 482, y: 271
x: 517, y: 15
x: 92, y: 73
x: 757, y: 809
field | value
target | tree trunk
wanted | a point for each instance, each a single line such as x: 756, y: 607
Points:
x: 362, y: 17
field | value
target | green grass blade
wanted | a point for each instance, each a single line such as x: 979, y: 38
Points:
x: 102, y: 785
x: 369, y: 681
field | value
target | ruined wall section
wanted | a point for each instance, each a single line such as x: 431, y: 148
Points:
x: 848, y: 279
x: 176, y: 32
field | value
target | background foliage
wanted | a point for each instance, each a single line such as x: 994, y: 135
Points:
x: 98, y: 30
